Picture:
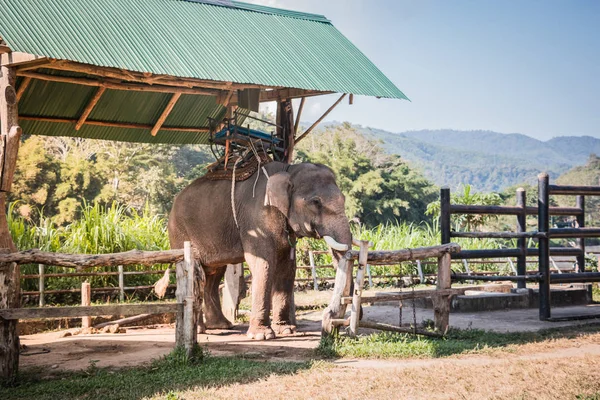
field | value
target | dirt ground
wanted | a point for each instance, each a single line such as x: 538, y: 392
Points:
x: 538, y: 370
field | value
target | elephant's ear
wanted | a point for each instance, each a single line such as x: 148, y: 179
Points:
x: 279, y: 189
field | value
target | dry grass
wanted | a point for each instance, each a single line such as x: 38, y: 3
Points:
x: 556, y: 378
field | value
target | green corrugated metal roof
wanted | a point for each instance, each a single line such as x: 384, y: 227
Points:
x: 241, y: 43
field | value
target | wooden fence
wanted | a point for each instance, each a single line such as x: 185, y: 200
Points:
x: 332, y: 317
x: 189, y: 296
x: 543, y: 234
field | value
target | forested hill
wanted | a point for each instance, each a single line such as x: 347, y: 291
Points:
x: 489, y: 161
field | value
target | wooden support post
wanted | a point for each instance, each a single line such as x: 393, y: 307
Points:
x: 544, y: 245
x: 41, y: 285
x: 313, y: 269
x: 358, y: 287
x: 441, y: 303
x: 89, y: 107
x: 231, y: 291
x: 121, y: 284
x: 186, y: 325
x: 581, y: 241
x: 10, y: 134
x: 285, y: 128
x: 522, y: 242
x: 86, y: 299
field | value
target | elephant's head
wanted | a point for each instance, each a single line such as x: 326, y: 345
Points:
x: 312, y: 203
x: 314, y: 206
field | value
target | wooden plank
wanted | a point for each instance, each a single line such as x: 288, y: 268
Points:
x: 93, y: 260
x: 116, y: 85
x: 41, y: 285
x: 395, y: 256
x: 89, y: 107
x: 22, y: 88
x: 417, y: 294
x: 317, y: 122
x: 189, y: 307
x: 165, y: 114
x: 115, y: 124
x: 4, y: 49
x: 80, y: 311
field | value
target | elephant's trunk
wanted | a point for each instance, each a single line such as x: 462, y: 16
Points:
x: 343, y: 274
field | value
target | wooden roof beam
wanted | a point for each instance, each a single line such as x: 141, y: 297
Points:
x: 288, y: 93
x: 4, y: 49
x: 147, y: 78
x: 23, y: 87
x: 111, y: 84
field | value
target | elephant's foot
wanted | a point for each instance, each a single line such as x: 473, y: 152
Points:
x: 282, y: 329
x: 260, y: 332
x: 219, y: 324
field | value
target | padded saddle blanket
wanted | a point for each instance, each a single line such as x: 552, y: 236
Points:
x: 244, y: 169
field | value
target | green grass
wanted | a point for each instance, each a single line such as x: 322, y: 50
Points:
x: 470, y: 341
x: 164, y: 378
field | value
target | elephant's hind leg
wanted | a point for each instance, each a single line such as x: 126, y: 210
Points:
x: 212, y: 303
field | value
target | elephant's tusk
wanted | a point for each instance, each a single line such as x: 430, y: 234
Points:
x: 335, y: 245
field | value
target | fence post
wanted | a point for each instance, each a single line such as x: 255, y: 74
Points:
x: 369, y: 276
x: 231, y: 291
x: 121, y: 284
x: 544, y: 245
x: 581, y: 241
x: 313, y: 269
x: 86, y: 296
x: 522, y: 242
x: 441, y: 304
x: 186, y: 322
x: 41, y: 285
x: 445, y: 214
x: 358, y: 287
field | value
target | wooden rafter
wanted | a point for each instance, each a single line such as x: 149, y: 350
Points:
x: 165, y: 114
x: 116, y: 85
x: 317, y: 122
x: 277, y: 94
x: 113, y: 124
x: 89, y: 107
x: 23, y: 87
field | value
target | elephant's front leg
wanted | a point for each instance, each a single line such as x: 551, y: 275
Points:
x: 283, y: 290
x: 262, y: 282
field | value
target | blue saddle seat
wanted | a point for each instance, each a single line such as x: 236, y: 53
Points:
x: 253, y: 133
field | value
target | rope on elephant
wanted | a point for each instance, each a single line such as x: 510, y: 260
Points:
x: 233, y: 193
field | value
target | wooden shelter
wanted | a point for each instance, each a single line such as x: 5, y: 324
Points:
x: 154, y: 71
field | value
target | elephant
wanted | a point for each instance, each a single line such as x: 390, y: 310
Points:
x: 271, y: 209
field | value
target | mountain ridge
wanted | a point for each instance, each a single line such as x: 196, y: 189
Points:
x: 488, y: 160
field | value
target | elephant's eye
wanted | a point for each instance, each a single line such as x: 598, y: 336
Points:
x: 315, y: 201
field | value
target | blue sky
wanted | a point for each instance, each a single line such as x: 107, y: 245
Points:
x: 526, y: 66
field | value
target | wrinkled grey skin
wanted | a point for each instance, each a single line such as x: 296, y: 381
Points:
x: 305, y: 198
